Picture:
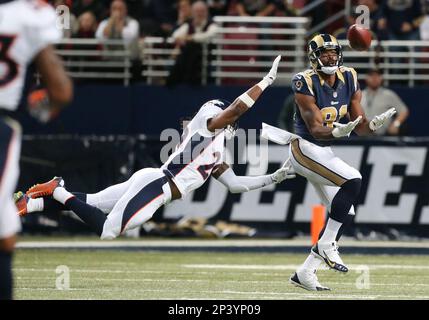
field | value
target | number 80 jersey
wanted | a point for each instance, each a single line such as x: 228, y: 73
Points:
x: 333, y: 102
x: 26, y: 28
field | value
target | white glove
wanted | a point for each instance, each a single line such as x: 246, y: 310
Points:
x: 285, y: 172
x: 381, y: 119
x: 272, y: 75
x: 342, y: 130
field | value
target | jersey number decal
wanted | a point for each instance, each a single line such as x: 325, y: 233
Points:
x: 330, y: 115
x: 206, y: 168
x: 11, y: 66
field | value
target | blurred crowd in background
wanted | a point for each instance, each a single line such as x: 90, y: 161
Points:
x: 390, y: 19
x: 190, y: 23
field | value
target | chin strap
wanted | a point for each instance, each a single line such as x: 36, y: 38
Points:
x: 329, y: 70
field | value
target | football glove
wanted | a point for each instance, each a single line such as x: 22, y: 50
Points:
x: 343, y: 130
x: 40, y: 107
x: 272, y: 74
x: 381, y: 119
x: 285, y: 172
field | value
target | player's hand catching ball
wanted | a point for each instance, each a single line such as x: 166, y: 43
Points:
x: 381, y: 119
x: 343, y: 130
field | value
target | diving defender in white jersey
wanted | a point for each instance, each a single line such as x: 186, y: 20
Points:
x: 199, y: 156
x: 27, y: 30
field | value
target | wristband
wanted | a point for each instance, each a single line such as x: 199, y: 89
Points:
x: 247, y: 100
x: 372, y: 126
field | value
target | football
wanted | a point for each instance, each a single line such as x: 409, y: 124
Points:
x: 359, y: 38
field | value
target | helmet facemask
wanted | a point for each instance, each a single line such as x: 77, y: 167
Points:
x: 315, y: 54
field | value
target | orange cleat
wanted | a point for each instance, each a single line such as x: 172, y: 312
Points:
x: 21, y: 200
x: 45, y: 189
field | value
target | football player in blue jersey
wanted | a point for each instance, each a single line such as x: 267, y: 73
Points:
x: 327, y: 98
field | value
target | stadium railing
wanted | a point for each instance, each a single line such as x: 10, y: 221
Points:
x: 402, y: 61
x: 96, y: 59
x: 242, y: 51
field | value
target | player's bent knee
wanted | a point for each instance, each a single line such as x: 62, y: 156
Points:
x: 351, y: 188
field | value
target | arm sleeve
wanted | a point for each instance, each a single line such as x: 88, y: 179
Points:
x: 207, y: 35
x: 239, y: 184
x: 130, y: 31
x: 99, y: 33
x: 180, y: 31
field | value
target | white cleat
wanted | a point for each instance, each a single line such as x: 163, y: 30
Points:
x: 307, y: 280
x: 328, y: 252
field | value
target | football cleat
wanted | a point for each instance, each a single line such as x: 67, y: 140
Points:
x: 45, y: 189
x: 307, y: 280
x: 329, y: 253
x: 21, y: 200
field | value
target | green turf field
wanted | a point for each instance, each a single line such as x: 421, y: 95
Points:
x: 192, y: 275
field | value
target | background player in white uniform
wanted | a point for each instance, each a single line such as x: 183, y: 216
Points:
x: 199, y: 156
x: 27, y: 30
x: 325, y: 95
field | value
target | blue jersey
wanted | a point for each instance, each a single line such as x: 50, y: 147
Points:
x: 333, y: 102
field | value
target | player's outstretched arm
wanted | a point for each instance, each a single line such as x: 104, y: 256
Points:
x: 58, y: 84
x: 239, y: 184
x: 365, y: 126
x: 45, y: 104
x: 244, y: 102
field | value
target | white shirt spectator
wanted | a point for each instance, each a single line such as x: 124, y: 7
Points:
x: 129, y: 33
x: 200, y: 35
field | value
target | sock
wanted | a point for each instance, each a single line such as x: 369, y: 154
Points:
x: 92, y: 216
x: 35, y: 205
x: 344, y: 200
x: 53, y: 205
x: 6, y: 282
x: 331, y: 230
x: 348, y: 221
x: 62, y: 195
x: 311, y: 263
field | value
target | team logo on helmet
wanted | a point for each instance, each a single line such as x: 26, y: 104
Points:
x: 317, y: 46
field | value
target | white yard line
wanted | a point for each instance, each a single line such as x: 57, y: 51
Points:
x: 294, y: 267
x: 209, y: 243
x: 258, y: 282
x: 249, y: 294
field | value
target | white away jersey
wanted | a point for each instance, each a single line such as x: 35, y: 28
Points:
x: 199, y: 153
x: 26, y: 27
